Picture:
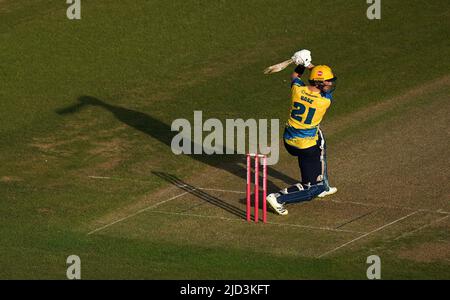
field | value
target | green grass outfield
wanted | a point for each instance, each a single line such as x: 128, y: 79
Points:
x: 151, y: 62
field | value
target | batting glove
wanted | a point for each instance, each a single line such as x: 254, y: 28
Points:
x: 302, y: 57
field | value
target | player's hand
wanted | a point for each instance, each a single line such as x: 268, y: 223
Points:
x: 302, y: 57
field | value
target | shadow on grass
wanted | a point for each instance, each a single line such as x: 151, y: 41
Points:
x: 201, y: 195
x: 234, y: 164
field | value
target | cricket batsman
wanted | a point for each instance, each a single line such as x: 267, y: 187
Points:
x: 302, y: 135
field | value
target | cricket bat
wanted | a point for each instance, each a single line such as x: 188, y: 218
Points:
x: 278, y: 67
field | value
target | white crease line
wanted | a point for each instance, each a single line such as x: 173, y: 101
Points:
x: 136, y: 213
x: 219, y: 190
x: 117, y: 178
x: 366, y: 234
x: 242, y: 220
x: 193, y: 215
x: 315, y: 227
x: 422, y: 227
x: 439, y: 211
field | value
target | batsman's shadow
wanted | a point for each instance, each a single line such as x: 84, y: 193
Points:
x: 197, y: 192
x: 234, y: 164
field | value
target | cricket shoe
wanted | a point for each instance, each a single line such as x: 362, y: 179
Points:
x: 276, y: 206
x: 331, y: 191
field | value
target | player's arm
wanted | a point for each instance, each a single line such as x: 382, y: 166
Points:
x: 298, y: 73
x: 300, y: 70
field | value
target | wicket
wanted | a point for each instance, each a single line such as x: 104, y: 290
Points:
x: 257, y: 158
